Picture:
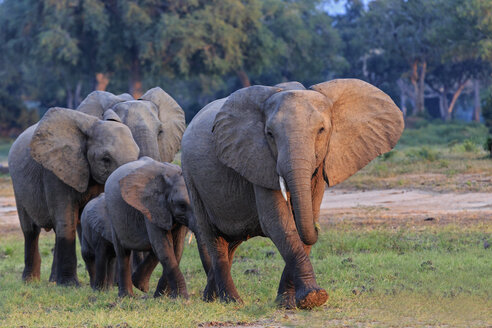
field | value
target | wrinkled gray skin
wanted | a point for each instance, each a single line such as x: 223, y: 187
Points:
x: 236, y: 149
x: 57, y: 166
x: 149, y: 210
x: 156, y: 121
x: 96, y: 243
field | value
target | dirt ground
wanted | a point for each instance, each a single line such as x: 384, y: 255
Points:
x: 409, y: 207
x: 389, y: 207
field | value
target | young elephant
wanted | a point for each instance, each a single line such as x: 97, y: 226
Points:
x: 97, y: 243
x: 149, y: 209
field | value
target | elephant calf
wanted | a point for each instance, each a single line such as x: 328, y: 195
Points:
x: 149, y: 210
x: 97, y: 243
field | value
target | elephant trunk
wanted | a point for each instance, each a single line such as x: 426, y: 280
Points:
x: 147, y: 142
x: 298, y: 178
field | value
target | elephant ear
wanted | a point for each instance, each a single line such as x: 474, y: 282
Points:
x: 59, y: 144
x: 239, y: 135
x: 294, y: 85
x: 173, y: 119
x: 145, y: 190
x: 110, y: 115
x: 365, y: 124
x: 97, y: 102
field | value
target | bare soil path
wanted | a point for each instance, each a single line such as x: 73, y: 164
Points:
x: 390, y: 206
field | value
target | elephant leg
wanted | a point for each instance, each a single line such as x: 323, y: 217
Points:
x: 89, y: 259
x: 278, y: 223
x: 142, y: 273
x: 222, y: 271
x: 65, y: 256
x: 110, y: 277
x: 32, y: 259
x: 179, y: 234
x: 103, y: 251
x: 54, y: 265
x: 210, y: 291
x: 137, y: 258
x: 286, y: 290
x: 163, y: 247
x: 124, y: 269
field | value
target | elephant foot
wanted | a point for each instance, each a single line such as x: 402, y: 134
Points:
x: 286, y: 301
x: 209, y: 293
x: 311, y: 298
x: 68, y: 281
x: 228, y: 298
x: 171, y: 294
x: 139, y: 283
x: 30, y: 276
x: 125, y: 293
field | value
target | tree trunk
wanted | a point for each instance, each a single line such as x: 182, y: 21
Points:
x: 443, y: 104
x: 102, y: 81
x: 403, y: 102
x: 418, y: 82
x: 455, y: 98
x: 477, y: 109
x: 421, y: 99
x: 243, y: 78
x: 136, y: 80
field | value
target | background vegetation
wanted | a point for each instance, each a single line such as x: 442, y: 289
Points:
x: 432, y: 56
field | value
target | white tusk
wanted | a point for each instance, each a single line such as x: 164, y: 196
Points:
x: 190, y: 238
x: 283, y: 189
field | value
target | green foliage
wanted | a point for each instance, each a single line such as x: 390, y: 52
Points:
x: 14, y: 116
x: 438, y: 133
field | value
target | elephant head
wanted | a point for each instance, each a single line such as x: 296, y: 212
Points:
x: 280, y: 137
x: 157, y: 122
x: 76, y: 147
x: 158, y: 191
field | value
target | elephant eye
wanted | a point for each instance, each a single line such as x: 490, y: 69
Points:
x: 270, y: 134
x: 106, y: 160
x: 321, y: 130
x: 160, y: 132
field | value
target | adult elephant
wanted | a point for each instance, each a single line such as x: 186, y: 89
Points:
x: 156, y: 120
x: 256, y: 164
x: 157, y: 123
x: 57, y: 166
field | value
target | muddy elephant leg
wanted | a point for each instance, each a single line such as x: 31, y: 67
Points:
x: 163, y: 247
x: 124, y: 268
x: 142, y: 273
x: 65, y: 256
x: 286, y: 290
x: 221, y: 265
x: 278, y: 223
x: 32, y: 259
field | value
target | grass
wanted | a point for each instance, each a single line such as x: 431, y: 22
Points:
x: 398, y: 273
x: 439, y: 157
x: 438, y: 275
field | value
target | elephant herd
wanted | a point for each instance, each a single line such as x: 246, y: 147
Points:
x: 253, y: 164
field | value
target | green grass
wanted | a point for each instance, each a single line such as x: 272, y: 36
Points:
x: 375, y: 276
x: 437, y: 156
